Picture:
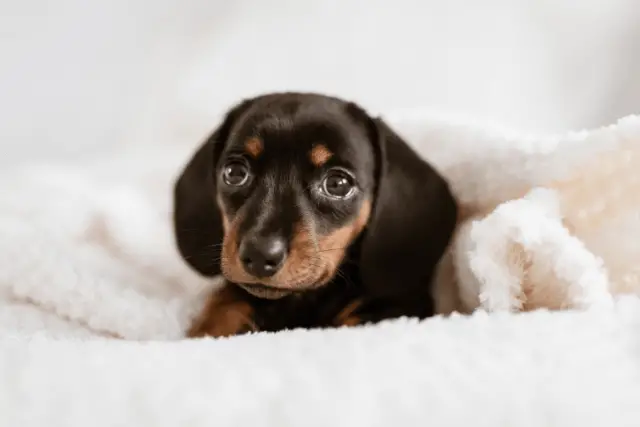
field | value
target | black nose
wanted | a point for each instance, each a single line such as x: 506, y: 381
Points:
x: 263, y: 256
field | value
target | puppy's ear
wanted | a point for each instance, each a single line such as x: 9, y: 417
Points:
x: 413, y: 219
x: 197, y: 219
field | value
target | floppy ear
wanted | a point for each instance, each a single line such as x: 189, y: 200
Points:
x: 412, y: 222
x: 197, y: 219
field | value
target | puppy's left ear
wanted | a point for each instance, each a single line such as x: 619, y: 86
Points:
x: 413, y: 219
x: 197, y: 219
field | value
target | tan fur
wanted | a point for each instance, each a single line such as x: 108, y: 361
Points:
x: 254, y: 147
x: 230, y: 262
x: 332, y: 247
x: 225, y: 220
x: 346, y: 316
x: 320, y: 155
x: 224, y: 315
x: 312, y: 261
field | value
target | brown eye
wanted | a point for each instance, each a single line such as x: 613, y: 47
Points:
x: 338, y: 184
x: 236, y: 173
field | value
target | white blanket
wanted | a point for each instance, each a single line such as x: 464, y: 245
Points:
x: 540, y: 369
x: 87, y: 252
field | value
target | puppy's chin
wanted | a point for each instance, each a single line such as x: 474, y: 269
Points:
x: 266, y: 292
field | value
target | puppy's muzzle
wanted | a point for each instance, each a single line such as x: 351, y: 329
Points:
x: 263, y: 256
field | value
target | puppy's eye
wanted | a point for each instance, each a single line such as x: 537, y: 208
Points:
x: 236, y: 173
x: 338, y: 184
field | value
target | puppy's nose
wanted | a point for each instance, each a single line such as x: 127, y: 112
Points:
x: 263, y: 256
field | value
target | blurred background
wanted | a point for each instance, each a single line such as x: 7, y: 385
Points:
x: 78, y: 76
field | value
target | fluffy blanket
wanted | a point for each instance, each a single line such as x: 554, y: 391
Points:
x: 87, y: 255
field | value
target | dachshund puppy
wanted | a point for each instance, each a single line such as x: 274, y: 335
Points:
x: 316, y: 214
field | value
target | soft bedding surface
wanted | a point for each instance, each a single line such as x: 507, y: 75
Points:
x: 87, y: 255
x: 539, y: 369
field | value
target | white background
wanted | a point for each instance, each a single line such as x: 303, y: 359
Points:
x: 76, y: 75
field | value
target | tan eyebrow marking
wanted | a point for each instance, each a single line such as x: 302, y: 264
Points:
x: 254, y: 146
x: 320, y: 155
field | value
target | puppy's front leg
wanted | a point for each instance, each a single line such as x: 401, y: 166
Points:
x: 348, y: 316
x: 363, y: 311
x: 227, y: 312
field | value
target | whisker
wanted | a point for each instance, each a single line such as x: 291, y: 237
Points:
x: 343, y: 275
x: 350, y: 262
x: 332, y: 249
x: 212, y: 261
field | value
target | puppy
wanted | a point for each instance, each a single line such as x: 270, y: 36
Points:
x: 315, y: 213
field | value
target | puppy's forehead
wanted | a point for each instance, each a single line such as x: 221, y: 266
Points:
x: 297, y: 125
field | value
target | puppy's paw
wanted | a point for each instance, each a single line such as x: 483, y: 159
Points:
x: 348, y: 316
x: 224, y: 315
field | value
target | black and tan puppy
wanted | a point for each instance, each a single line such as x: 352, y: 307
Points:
x: 315, y: 213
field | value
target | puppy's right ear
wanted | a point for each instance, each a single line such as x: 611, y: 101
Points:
x: 197, y: 220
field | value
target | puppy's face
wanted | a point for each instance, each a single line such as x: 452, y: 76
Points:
x: 284, y: 186
x: 294, y: 185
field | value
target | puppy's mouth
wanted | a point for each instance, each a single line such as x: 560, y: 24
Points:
x: 276, y: 290
x: 267, y: 292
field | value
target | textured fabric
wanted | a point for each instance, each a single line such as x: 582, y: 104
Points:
x: 87, y: 253
x: 536, y: 369
x: 547, y: 222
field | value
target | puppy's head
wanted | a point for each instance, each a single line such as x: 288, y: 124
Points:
x: 288, y: 182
